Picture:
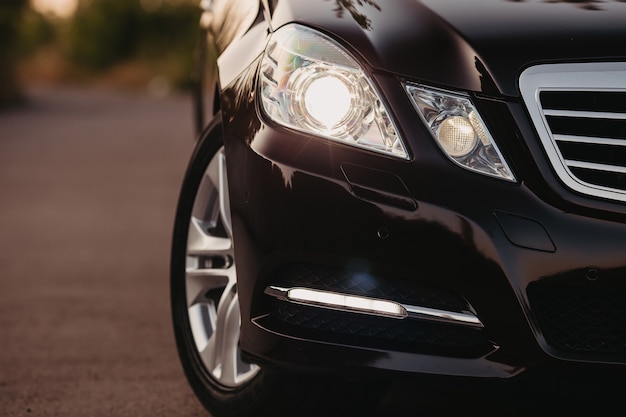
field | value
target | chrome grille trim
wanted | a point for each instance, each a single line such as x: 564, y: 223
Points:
x: 587, y: 139
x: 584, y: 114
x: 606, y: 78
x: 596, y: 167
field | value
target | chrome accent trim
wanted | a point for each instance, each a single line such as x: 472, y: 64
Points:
x: 585, y: 114
x: 597, y: 167
x: 587, y: 139
x: 277, y: 292
x: 608, y: 77
x: 466, y: 318
x: 433, y: 314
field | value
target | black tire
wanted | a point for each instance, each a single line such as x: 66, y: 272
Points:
x: 203, y: 284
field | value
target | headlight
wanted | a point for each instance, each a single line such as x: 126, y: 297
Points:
x: 311, y: 84
x: 459, y: 130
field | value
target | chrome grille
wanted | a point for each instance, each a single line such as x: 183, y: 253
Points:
x: 579, y: 111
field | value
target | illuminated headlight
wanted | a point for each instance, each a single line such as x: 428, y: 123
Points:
x: 459, y: 130
x: 311, y: 84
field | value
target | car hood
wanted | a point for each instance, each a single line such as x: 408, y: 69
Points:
x: 477, y: 45
x: 506, y: 36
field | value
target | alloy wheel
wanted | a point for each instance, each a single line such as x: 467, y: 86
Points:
x: 211, y: 281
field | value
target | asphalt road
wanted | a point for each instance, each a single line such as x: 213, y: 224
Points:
x: 88, y: 187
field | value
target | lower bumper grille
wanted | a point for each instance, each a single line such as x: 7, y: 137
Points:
x: 357, y: 329
x: 367, y: 284
x: 352, y: 328
x: 581, y: 319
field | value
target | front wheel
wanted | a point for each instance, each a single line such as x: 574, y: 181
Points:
x: 206, y: 315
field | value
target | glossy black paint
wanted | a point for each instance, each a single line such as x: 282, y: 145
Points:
x: 297, y: 198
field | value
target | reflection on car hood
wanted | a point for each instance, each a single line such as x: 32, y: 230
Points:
x: 508, y: 35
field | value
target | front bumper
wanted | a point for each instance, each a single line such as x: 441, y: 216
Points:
x: 545, y: 277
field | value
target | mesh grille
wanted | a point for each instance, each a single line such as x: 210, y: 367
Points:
x: 367, y: 284
x: 581, y: 319
x: 388, y: 333
x: 335, y: 326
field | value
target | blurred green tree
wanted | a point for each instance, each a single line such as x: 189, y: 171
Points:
x: 10, y: 18
x: 35, y: 31
x: 103, y: 33
x: 137, y: 40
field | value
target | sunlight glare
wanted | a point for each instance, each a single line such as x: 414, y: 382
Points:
x: 59, y: 8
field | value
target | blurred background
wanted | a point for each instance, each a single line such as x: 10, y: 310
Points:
x: 132, y: 44
x: 96, y: 129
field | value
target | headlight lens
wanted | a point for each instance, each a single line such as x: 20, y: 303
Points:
x: 459, y: 130
x: 311, y: 84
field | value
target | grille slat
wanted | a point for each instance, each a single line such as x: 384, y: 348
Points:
x: 585, y: 114
x: 593, y: 127
x: 591, y: 140
x: 596, y: 167
x: 600, y: 155
x: 592, y: 101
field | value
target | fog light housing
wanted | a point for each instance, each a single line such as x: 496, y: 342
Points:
x: 459, y: 130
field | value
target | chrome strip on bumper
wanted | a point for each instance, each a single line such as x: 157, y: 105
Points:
x: 368, y: 305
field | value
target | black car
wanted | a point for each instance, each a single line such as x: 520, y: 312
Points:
x: 411, y: 188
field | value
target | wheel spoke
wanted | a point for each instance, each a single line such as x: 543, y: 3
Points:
x: 221, y: 330
x: 229, y: 343
x: 201, y: 242
x: 212, y: 172
x: 201, y: 281
x: 202, y: 321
